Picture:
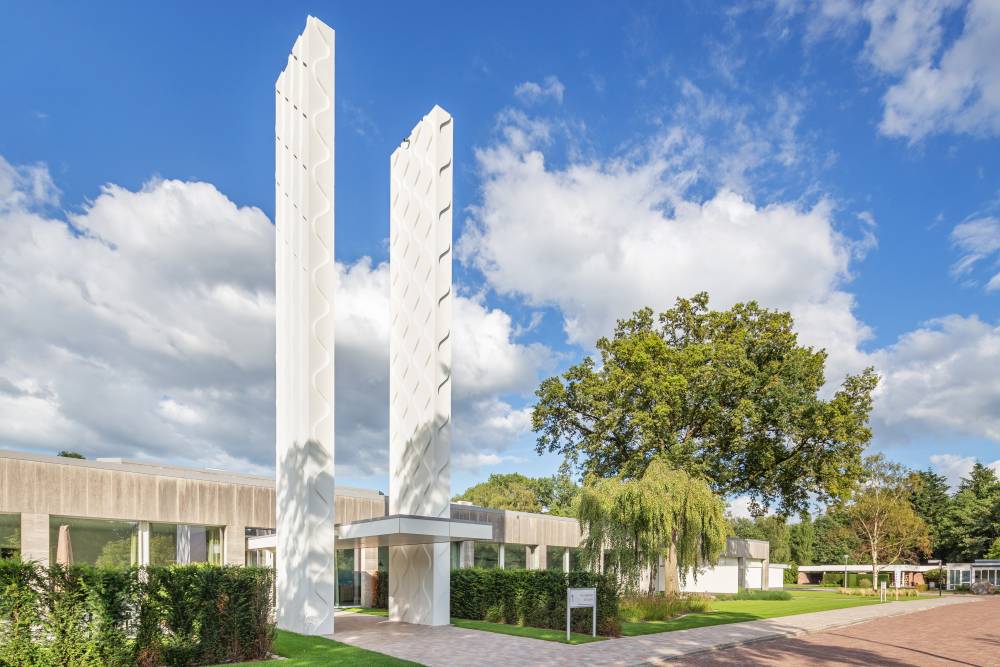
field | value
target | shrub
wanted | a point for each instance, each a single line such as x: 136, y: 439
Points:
x: 790, y: 575
x: 872, y: 593
x: 380, y: 590
x: 936, y: 576
x: 757, y: 595
x: 661, y: 607
x: 176, y: 615
x: 535, y: 598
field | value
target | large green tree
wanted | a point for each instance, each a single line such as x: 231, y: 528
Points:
x: 664, y: 513
x: 834, y: 539
x: 802, y: 540
x: 973, y: 519
x: 730, y: 396
x: 930, y: 499
x: 880, y: 515
x: 514, y: 491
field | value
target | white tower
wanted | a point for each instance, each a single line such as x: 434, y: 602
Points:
x: 420, y: 233
x: 305, y: 281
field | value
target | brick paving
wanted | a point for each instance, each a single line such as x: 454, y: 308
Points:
x: 448, y: 646
x: 967, y: 634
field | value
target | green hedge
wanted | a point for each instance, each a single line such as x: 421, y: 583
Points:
x: 535, y: 598
x: 178, y: 615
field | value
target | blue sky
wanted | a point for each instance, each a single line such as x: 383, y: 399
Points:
x: 838, y: 159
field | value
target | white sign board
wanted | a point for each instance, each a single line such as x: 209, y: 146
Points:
x: 582, y: 597
x: 577, y: 598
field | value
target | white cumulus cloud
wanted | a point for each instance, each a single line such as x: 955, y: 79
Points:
x: 597, y: 239
x: 531, y: 92
x: 956, y: 467
x: 143, y: 326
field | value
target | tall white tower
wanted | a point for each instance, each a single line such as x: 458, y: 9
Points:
x: 305, y: 281
x: 420, y: 253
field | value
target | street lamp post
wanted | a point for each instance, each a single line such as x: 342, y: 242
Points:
x: 844, y: 583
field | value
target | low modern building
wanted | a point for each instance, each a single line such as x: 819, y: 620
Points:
x: 901, y: 575
x: 745, y: 565
x: 111, y: 511
x: 963, y: 575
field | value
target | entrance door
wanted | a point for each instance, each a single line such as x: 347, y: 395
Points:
x: 348, y: 581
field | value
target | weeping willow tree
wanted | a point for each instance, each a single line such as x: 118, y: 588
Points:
x: 664, y: 513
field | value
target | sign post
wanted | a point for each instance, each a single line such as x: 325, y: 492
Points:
x: 581, y: 598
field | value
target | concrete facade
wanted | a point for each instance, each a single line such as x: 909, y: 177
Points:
x: 305, y: 279
x: 420, y: 296
x: 39, y: 487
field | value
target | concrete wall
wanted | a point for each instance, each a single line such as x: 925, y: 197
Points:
x: 776, y: 577
x: 47, y: 485
x: 723, y: 578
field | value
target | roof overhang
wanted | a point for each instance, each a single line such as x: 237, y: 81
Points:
x: 404, y: 529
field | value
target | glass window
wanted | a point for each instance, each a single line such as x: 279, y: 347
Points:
x: 10, y: 535
x: 554, y: 558
x: 258, y: 532
x: 486, y: 554
x: 456, y: 555
x: 183, y: 544
x: 93, y: 542
x: 515, y: 557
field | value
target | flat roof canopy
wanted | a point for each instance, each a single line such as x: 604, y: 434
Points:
x: 399, y: 530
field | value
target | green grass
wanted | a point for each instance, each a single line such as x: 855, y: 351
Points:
x: 303, y: 651
x: 371, y: 611
x: 523, y: 631
x: 737, y: 611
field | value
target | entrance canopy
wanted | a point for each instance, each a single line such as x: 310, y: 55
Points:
x: 397, y: 530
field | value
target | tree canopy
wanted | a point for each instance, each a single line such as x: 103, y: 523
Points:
x: 663, y: 513
x: 514, y: 491
x: 729, y: 396
x: 928, y: 493
x: 887, y: 528
x: 972, y: 521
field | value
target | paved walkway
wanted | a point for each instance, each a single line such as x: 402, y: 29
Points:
x: 966, y: 634
x: 448, y: 646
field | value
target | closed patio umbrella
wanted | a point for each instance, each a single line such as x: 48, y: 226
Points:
x: 64, y: 547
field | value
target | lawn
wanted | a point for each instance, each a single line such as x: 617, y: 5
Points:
x: 302, y: 651
x: 523, y: 631
x: 371, y: 611
x: 737, y: 611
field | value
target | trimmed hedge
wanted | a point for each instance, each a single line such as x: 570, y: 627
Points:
x: 535, y: 598
x: 177, y: 615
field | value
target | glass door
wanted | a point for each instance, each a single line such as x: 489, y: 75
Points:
x: 348, y: 581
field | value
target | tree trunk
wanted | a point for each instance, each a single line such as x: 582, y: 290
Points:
x: 874, y: 569
x: 671, y: 578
